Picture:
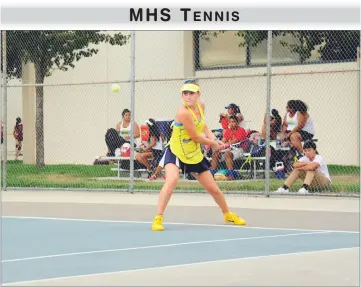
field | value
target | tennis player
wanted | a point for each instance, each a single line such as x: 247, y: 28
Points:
x: 184, y: 152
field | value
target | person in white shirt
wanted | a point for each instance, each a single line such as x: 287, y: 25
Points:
x: 124, y: 127
x: 311, y: 168
x: 298, y: 125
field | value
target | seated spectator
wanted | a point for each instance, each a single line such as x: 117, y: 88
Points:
x: 232, y: 110
x: 154, y: 148
x: 124, y: 127
x: 160, y: 166
x: 113, y: 141
x: 232, y: 135
x: 275, y: 127
x: 311, y: 168
x: 297, y: 124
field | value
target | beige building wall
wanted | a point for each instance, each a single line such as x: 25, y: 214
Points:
x: 77, y: 116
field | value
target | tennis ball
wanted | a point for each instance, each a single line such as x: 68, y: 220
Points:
x: 115, y: 88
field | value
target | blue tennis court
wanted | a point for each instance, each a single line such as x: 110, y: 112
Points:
x: 39, y: 249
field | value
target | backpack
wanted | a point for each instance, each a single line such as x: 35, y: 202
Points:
x: 125, y: 150
x: 144, y: 133
x: 221, y: 175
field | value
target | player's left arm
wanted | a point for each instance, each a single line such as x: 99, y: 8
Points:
x: 208, y: 133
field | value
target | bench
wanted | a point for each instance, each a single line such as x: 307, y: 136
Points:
x: 254, y: 161
x: 118, y: 160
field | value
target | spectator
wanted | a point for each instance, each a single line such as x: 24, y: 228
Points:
x: 19, y: 137
x: 311, y: 168
x: 124, y: 127
x: 161, y: 161
x: 297, y: 125
x: 113, y: 141
x: 155, y: 147
x: 2, y: 132
x: 232, y: 110
x: 275, y: 126
x: 233, y: 134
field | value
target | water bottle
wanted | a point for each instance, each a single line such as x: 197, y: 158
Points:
x: 278, y: 141
x: 280, y: 170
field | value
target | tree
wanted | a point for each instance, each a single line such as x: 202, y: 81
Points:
x: 332, y: 45
x: 50, y: 50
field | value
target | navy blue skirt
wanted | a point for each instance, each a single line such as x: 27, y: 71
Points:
x: 170, y: 157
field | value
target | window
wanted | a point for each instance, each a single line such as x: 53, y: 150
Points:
x: 229, y: 49
x: 220, y: 51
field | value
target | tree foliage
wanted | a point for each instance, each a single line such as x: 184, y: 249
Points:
x: 54, y: 49
x: 51, y: 50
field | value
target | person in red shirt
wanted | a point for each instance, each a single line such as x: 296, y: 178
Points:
x: 232, y: 135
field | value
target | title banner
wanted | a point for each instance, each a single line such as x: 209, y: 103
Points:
x: 119, y: 15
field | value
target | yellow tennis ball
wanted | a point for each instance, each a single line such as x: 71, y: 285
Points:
x: 115, y: 88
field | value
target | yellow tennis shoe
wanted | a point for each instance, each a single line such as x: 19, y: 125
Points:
x: 232, y: 217
x: 158, y: 223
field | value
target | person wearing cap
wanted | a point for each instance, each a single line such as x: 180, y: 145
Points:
x: 184, y: 152
x: 233, y: 135
x: 311, y: 168
x: 232, y: 110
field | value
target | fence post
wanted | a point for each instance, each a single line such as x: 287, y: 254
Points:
x: 1, y: 121
x: 358, y: 85
x: 267, y: 143
x: 132, y: 109
x: 4, y: 80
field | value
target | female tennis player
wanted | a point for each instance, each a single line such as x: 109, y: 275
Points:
x: 184, y: 152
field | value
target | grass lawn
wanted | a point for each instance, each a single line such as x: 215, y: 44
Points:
x: 346, y: 179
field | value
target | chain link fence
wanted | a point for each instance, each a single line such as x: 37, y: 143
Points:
x: 320, y: 95
x: 95, y: 84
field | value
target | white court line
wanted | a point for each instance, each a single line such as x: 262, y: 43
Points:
x: 173, y: 223
x: 175, y: 266
x: 158, y: 246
